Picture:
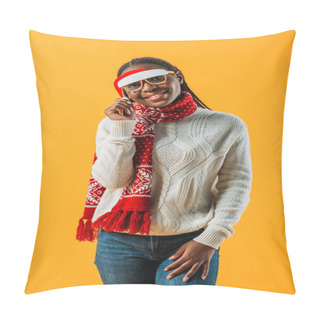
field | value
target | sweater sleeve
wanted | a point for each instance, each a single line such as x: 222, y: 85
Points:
x: 234, y: 187
x: 115, y: 148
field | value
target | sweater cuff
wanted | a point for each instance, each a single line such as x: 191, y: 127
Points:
x: 122, y: 128
x: 212, y: 236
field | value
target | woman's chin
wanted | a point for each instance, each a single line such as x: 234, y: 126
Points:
x: 157, y: 104
x: 160, y: 103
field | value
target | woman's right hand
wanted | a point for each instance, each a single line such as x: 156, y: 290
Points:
x: 121, y: 109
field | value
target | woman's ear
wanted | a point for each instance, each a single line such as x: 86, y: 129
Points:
x: 179, y: 75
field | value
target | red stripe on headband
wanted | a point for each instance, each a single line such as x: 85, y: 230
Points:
x: 123, y: 76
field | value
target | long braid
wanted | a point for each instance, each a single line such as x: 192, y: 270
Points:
x: 167, y: 65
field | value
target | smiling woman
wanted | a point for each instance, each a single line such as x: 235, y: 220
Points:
x: 152, y: 146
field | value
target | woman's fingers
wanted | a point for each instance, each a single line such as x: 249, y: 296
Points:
x: 175, y: 264
x: 205, y: 270
x: 191, y: 254
x: 127, y: 106
x: 178, y: 253
x: 191, y: 272
x: 120, y: 110
x: 177, y: 271
x: 123, y: 109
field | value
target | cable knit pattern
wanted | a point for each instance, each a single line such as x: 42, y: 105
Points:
x: 202, y: 172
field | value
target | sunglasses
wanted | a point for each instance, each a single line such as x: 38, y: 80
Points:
x: 136, y: 86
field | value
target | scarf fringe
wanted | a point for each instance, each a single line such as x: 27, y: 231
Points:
x: 85, y: 231
x: 135, y: 221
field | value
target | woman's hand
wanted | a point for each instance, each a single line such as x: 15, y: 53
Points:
x: 121, y: 109
x: 191, y: 254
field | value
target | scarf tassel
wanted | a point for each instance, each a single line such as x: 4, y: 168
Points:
x: 135, y: 221
x: 85, y: 231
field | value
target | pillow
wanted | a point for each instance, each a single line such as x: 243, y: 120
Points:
x: 242, y: 80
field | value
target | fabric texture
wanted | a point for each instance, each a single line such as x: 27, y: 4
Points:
x: 132, y: 211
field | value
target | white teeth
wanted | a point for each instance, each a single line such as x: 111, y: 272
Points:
x: 157, y: 95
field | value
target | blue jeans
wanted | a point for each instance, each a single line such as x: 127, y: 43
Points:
x: 123, y: 258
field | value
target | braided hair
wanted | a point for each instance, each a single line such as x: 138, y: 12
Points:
x: 167, y: 65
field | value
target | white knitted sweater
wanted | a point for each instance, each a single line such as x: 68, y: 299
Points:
x: 202, y: 172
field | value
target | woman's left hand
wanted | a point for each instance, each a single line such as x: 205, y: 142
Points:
x: 191, y: 254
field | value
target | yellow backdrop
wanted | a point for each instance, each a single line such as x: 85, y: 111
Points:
x: 245, y: 77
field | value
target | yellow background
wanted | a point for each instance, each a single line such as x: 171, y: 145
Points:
x: 245, y: 77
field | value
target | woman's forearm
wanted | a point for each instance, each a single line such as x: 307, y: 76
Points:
x: 234, y: 187
x: 115, y: 148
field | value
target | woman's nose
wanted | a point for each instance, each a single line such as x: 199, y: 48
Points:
x: 147, y: 86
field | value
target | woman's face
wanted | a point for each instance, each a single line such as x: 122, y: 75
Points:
x: 147, y: 94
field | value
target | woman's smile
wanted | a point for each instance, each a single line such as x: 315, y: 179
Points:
x: 156, y: 95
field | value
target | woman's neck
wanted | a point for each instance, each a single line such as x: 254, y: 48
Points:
x: 179, y: 97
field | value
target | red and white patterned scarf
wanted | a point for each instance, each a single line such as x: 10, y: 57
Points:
x: 132, y: 211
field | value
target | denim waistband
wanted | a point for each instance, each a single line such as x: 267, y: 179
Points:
x: 172, y: 236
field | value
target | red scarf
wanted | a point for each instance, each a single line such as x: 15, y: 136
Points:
x: 132, y: 210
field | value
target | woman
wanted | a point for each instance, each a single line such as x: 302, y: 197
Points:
x: 170, y: 177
